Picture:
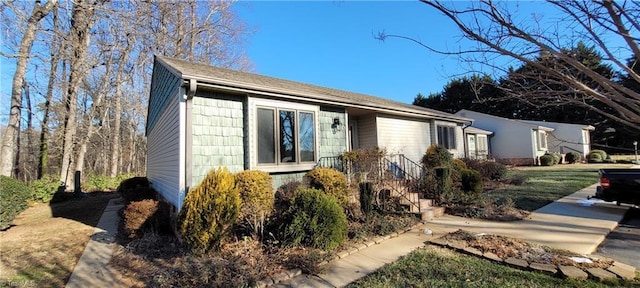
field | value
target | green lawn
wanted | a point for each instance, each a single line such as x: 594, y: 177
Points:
x: 546, y: 184
x: 438, y: 267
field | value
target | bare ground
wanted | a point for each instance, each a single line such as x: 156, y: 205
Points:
x: 46, y: 241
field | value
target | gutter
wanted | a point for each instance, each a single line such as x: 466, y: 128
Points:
x: 188, y: 155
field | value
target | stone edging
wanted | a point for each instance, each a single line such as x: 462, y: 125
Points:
x: 291, y: 273
x: 616, y: 270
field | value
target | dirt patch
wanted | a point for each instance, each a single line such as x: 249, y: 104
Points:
x: 46, y: 241
x: 505, y: 247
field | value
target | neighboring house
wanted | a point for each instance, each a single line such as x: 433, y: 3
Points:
x: 521, y: 142
x: 477, y: 143
x: 201, y: 117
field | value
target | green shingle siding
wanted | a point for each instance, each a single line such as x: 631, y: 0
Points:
x: 218, y: 133
x: 332, y: 141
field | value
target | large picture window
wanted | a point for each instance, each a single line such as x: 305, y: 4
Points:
x: 447, y: 137
x: 285, y: 136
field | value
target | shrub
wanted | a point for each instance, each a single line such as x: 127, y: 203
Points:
x: 437, y: 156
x: 458, y: 164
x: 42, y: 190
x: 471, y: 181
x: 488, y: 169
x: 557, y: 157
x: 595, y: 158
x: 331, y: 181
x: 100, y: 183
x: 209, y: 211
x: 256, y: 192
x: 367, y: 197
x: 136, y: 189
x: 315, y: 220
x: 603, y: 154
x: 13, y: 200
x: 547, y: 160
x: 146, y: 216
x: 572, y: 157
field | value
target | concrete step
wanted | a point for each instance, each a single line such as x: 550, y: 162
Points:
x: 427, y: 214
x: 413, y: 206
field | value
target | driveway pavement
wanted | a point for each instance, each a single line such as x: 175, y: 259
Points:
x: 623, y: 244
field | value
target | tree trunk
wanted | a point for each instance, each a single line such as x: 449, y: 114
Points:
x: 117, y: 113
x: 11, y: 135
x: 81, y: 23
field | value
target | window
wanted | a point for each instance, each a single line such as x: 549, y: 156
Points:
x: 447, y: 136
x: 285, y: 136
x: 542, y: 138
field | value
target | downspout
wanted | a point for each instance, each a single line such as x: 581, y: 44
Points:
x: 188, y: 171
x: 465, y: 125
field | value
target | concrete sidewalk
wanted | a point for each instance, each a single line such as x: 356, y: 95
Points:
x: 92, y: 269
x: 563, y: 224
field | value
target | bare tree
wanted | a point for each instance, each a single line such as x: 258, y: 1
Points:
x: 11, y: 135
x: 499, y: 31
x: 82, y: 20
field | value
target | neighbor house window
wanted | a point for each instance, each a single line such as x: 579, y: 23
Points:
x: 447, y: 136
x: 285, y: 136
x: 542, y: 138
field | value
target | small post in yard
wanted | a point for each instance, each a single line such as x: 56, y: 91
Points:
x: 77, y: 188
x: 635, y: 148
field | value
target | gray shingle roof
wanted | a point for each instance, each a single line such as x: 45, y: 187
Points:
x: 259, y: 83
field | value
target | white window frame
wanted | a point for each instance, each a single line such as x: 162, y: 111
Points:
x: 253, y: 105
x: 442, y: 142
x: 542, y: 140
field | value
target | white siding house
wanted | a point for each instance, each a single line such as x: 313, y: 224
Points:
x: 202, y: 117
x: 523, y: 141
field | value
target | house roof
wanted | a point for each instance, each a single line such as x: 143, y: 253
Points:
x: 556, y: 124
x: 530, y: 124
x: 476, y: 130
x: 253, y: 83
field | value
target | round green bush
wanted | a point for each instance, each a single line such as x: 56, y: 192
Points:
x: 14, y: 195
x: 209, y: 211
x: 256, y: 192
x: 557, y: 157
x: 437, y: 156
x: 572, y: 157
x: 315, y: 219
x: 331, y: 181
x: 547, y: 160
x: 595, y: 158
x: 471, y: 181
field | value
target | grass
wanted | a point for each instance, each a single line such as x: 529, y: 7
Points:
x: 47, y: 241
x: 438, y: 267
x: 545, y: 184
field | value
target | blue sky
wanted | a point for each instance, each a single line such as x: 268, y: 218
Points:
x: 332, y: 43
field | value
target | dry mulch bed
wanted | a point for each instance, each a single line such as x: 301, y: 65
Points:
x: 505, y: 247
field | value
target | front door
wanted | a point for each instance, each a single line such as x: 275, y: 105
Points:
x: 471, y: 146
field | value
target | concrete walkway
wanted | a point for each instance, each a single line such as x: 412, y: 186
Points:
x: 563, y: 224
x: 92, y: 269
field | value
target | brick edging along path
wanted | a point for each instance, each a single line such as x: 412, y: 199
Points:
x: 616, y: 270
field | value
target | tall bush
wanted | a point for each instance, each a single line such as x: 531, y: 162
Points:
x: 13, y: 200
x: 256, y: 192
x: 315, y: 219
x: 437, y: 156
x: 209, y: 211
x: 331, y: 181
x: 471, y: 181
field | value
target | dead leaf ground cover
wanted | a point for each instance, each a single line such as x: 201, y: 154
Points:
x: 506, y: 247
